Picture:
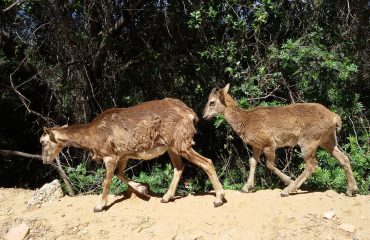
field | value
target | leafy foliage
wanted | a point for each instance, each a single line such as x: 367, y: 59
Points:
x: 158, y: 179
x: 332, y: 175
x: 67, y: 62
x: 84, y: 181
x: 87, y: 182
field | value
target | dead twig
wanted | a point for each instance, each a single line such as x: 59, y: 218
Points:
x: 18, y: 153
x: 17, y: 2
x: 57, y: 166
x: 64, y: 176
x: 25, y: 101
x: 264, y: 97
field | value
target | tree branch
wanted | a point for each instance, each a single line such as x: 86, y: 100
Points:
x: 13, y: 4
x: 64, y: 176
x: 25, y: 101
x: 57, y: 166
x: 264, y: 97
x: 18, y: 153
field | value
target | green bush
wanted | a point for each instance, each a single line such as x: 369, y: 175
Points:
x: 90, y: 181
x: 117, y: 186
x: 85, y: 181
x: 302, y: 68
x: 159, y: 179
x: 358, y: 149
x: 331, y: 175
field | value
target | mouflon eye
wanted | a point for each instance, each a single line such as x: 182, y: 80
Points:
x: 212, y: 103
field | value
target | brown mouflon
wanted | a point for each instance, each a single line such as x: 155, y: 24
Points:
x: 308, y: 125
x: 144, y: 131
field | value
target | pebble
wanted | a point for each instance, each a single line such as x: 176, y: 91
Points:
x: 329, y: 214
x: 347, y: 227
x: 18, y: 232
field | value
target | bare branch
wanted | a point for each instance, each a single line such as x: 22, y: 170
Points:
x: 264, y: 97
x: 16, y: 3
x: 92, y: 88
x: 18, y: 153
x: 57, y: 166
x: 64, y: 176
x: 25, y: 101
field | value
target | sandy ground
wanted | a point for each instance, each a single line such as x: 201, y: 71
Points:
x: 260, y: 215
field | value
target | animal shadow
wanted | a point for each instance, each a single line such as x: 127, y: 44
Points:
x: 127, y: 195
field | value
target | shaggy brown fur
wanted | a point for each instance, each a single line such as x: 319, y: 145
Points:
x: 308, y: 125
x: 144, y: 131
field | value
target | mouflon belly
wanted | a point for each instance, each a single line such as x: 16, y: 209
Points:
x: 149, y: 153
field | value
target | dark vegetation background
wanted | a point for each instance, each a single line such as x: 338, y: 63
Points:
x: 64, y: 62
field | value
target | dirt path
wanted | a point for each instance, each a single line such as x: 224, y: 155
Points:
x: 260, y: 215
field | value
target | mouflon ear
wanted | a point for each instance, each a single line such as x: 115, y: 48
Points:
x: 226, y: 88
x: 46, y: 130
x: 52, y: 136
x: 221, y: 96
x: 222, y: 93
x: 214, y: 90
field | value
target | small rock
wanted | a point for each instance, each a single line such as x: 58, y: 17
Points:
x: 18, y: 232
x: 354, y: 237
x: 329, y: 214
x: 48, y: 193
x: 347, y: 227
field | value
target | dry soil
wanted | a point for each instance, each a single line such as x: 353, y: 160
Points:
x: 260, y: 215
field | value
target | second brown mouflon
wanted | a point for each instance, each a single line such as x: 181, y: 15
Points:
x: 309, y: 125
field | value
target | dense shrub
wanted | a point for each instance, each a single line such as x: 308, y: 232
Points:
x: 64, y: 63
